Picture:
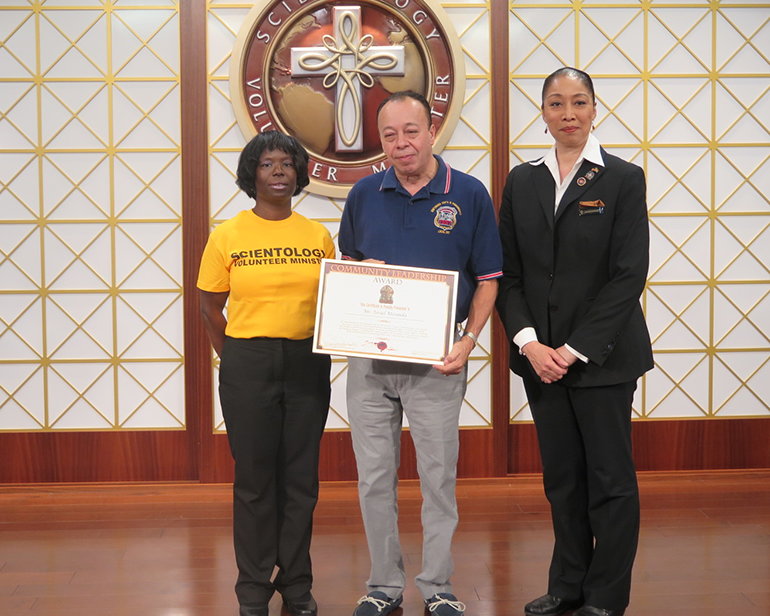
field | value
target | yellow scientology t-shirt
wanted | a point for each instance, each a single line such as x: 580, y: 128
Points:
x: 271, y: 269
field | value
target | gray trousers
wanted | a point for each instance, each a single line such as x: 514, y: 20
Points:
x: 378, y: 393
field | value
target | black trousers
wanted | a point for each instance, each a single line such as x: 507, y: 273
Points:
x: 275, y: 399
x: 590, y: 482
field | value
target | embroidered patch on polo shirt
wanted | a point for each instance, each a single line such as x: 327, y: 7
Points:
x: 446, y: 216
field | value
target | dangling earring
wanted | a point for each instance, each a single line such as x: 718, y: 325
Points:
x: 545, y: 130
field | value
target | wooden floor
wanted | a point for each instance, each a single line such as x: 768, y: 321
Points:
x: 165, y: 550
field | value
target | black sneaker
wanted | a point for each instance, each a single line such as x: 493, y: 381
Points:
x: 444, y: 604
x: 376, y: 603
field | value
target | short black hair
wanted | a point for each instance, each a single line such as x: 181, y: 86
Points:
x: 574, y: 73
x: 404, y: 94
x: 264, y: 142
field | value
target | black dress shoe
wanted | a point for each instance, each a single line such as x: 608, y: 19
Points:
x: 590, y: 610
x: 307, y: 607
x: 254, y: 610
x: 548, y: 605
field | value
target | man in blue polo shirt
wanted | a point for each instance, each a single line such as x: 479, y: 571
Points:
x: 420, y: 213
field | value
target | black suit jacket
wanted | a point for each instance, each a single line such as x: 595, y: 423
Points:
x: 576, y: 275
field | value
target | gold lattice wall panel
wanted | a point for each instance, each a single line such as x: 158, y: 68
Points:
x: 90, y: 236
x: 683, y: 91
x: 468, y: 150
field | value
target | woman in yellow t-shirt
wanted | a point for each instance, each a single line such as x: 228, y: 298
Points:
x: 265, y: 264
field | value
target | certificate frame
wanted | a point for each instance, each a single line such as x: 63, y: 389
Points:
x: 381, y: 311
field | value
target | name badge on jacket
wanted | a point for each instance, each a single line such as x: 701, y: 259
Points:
x: 590, y: 207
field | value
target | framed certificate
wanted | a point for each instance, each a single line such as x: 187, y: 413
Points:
x: 385, y: 311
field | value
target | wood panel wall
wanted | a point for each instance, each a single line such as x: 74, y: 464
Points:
x: 195, y: 227
x: 96, y: 456
x: 198, y: 454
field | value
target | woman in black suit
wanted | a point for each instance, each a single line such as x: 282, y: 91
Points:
x: 576, y: 249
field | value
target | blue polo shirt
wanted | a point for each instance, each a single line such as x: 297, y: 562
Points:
x: 448, y: 224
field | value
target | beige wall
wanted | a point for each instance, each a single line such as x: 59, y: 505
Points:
x: 90, y: 223
x: 90, y: 217
x: 683, y: 92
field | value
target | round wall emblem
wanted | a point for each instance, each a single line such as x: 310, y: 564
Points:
x: 318, y: 70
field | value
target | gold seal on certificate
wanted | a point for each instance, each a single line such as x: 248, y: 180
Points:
x: 385, y: 311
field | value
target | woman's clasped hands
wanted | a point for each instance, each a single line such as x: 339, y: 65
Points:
x: 549, y: 364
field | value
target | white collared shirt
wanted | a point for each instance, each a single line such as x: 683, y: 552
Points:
x: 592, y: 153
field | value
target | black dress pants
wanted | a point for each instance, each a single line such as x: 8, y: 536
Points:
x: 590, y: 481
x: 275, y: 399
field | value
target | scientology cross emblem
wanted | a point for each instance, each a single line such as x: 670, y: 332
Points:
x: 353, y: 62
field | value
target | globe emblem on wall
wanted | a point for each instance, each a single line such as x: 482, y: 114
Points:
x: 318, y: 70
